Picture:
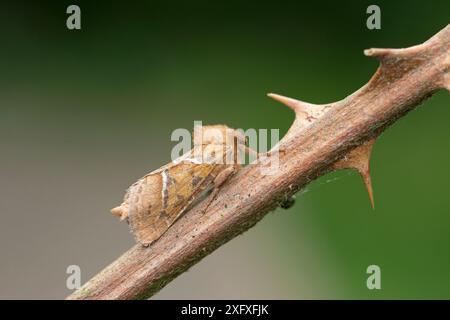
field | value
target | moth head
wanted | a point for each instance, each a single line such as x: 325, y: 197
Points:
x: 218, y: 135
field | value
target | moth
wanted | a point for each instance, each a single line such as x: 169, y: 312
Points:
x: 154, y: 202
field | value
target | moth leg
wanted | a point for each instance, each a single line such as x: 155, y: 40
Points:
x: 218, y: 182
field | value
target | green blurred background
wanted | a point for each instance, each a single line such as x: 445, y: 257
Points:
x: 83, y: 114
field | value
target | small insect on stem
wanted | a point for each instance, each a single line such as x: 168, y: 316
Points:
x: 154, y: 202
x: 287, y: 203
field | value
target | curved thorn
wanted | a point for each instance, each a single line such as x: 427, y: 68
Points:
x: 368, y: 183
x: 386, y: 55
x: 294, y: 104
x: 306, y: 113
x: 359, y: 159
x: 377, y: 52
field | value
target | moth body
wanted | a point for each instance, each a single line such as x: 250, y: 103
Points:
x: 154, y: 202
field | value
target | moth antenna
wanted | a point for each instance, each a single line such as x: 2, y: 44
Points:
x: 120, y: 212
x: 305, y: 112
x: 359, y: 159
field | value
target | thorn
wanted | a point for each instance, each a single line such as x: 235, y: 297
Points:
x: 368, y: 183
x: 120, y: 212
x: 304, y: 111
x: 359, y: 159
x: 386, y: 55
x: 376, y: 52
x: 382, y: 53
x: 294, y: 104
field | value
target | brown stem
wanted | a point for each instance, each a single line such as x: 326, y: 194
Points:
x: 311, y: 148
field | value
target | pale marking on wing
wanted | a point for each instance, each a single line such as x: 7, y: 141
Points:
x: 188, y: 158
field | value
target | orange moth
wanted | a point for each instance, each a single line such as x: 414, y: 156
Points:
x: 154, y: 202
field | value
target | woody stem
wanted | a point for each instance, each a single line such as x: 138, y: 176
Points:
x: 405, y: 78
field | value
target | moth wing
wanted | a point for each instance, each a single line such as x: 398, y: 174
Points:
x: 159, y: 198
x: 144, y: 200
